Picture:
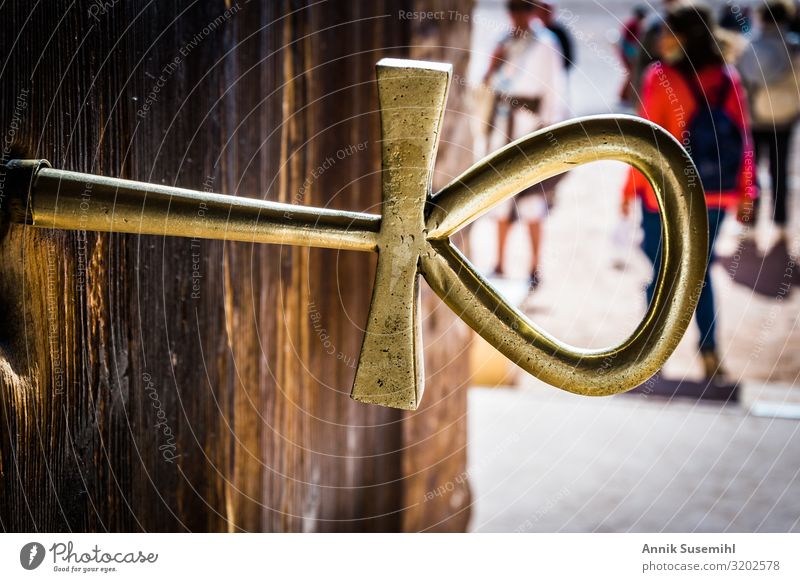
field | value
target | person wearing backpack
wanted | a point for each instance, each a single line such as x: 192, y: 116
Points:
x: 527, y: 78
x: 700, y: 100
x: 769, y: 67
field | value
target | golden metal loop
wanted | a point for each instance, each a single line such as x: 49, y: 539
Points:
x: 532, y: 159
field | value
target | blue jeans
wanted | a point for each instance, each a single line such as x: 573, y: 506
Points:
x: 651, y: 245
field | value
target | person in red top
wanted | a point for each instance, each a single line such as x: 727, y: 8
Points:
x: 691, y: 79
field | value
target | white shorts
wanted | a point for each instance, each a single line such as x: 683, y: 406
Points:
x: 529, y: 208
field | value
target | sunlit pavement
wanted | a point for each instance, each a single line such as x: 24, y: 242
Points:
x: 542, y: 460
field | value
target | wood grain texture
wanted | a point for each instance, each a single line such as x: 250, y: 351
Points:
x: 437, y: 495
x: 160, y: 384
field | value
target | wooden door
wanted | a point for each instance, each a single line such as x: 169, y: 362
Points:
x: 162, y: 384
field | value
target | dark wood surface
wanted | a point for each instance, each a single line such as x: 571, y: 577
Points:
x: 118, y: 352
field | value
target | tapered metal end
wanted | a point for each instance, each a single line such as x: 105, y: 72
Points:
x: 412, y: 100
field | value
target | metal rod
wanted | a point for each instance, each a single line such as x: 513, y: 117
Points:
x: 73, y: 201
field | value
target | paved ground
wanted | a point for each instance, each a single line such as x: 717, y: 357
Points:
x: 541, y: 460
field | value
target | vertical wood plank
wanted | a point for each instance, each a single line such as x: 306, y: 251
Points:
x: 436, y: 494
x: 160, y: 384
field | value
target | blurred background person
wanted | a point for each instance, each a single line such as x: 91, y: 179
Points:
x: 735, y: 18
x: 546, y: 12
x: 769, y: 68
x: 526, y: 75
x: 733, y: 32
x: 649, y: 47
x: 629, y: 44
x: 700, y: 100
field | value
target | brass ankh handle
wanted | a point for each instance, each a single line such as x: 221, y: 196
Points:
x: 544, y: 154
x: 413, y: 236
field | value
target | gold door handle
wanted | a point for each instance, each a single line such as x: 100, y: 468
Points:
x: 539, y: 156
x: 411, y: 236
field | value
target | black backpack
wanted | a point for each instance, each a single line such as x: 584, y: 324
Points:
x: 715, y: 143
